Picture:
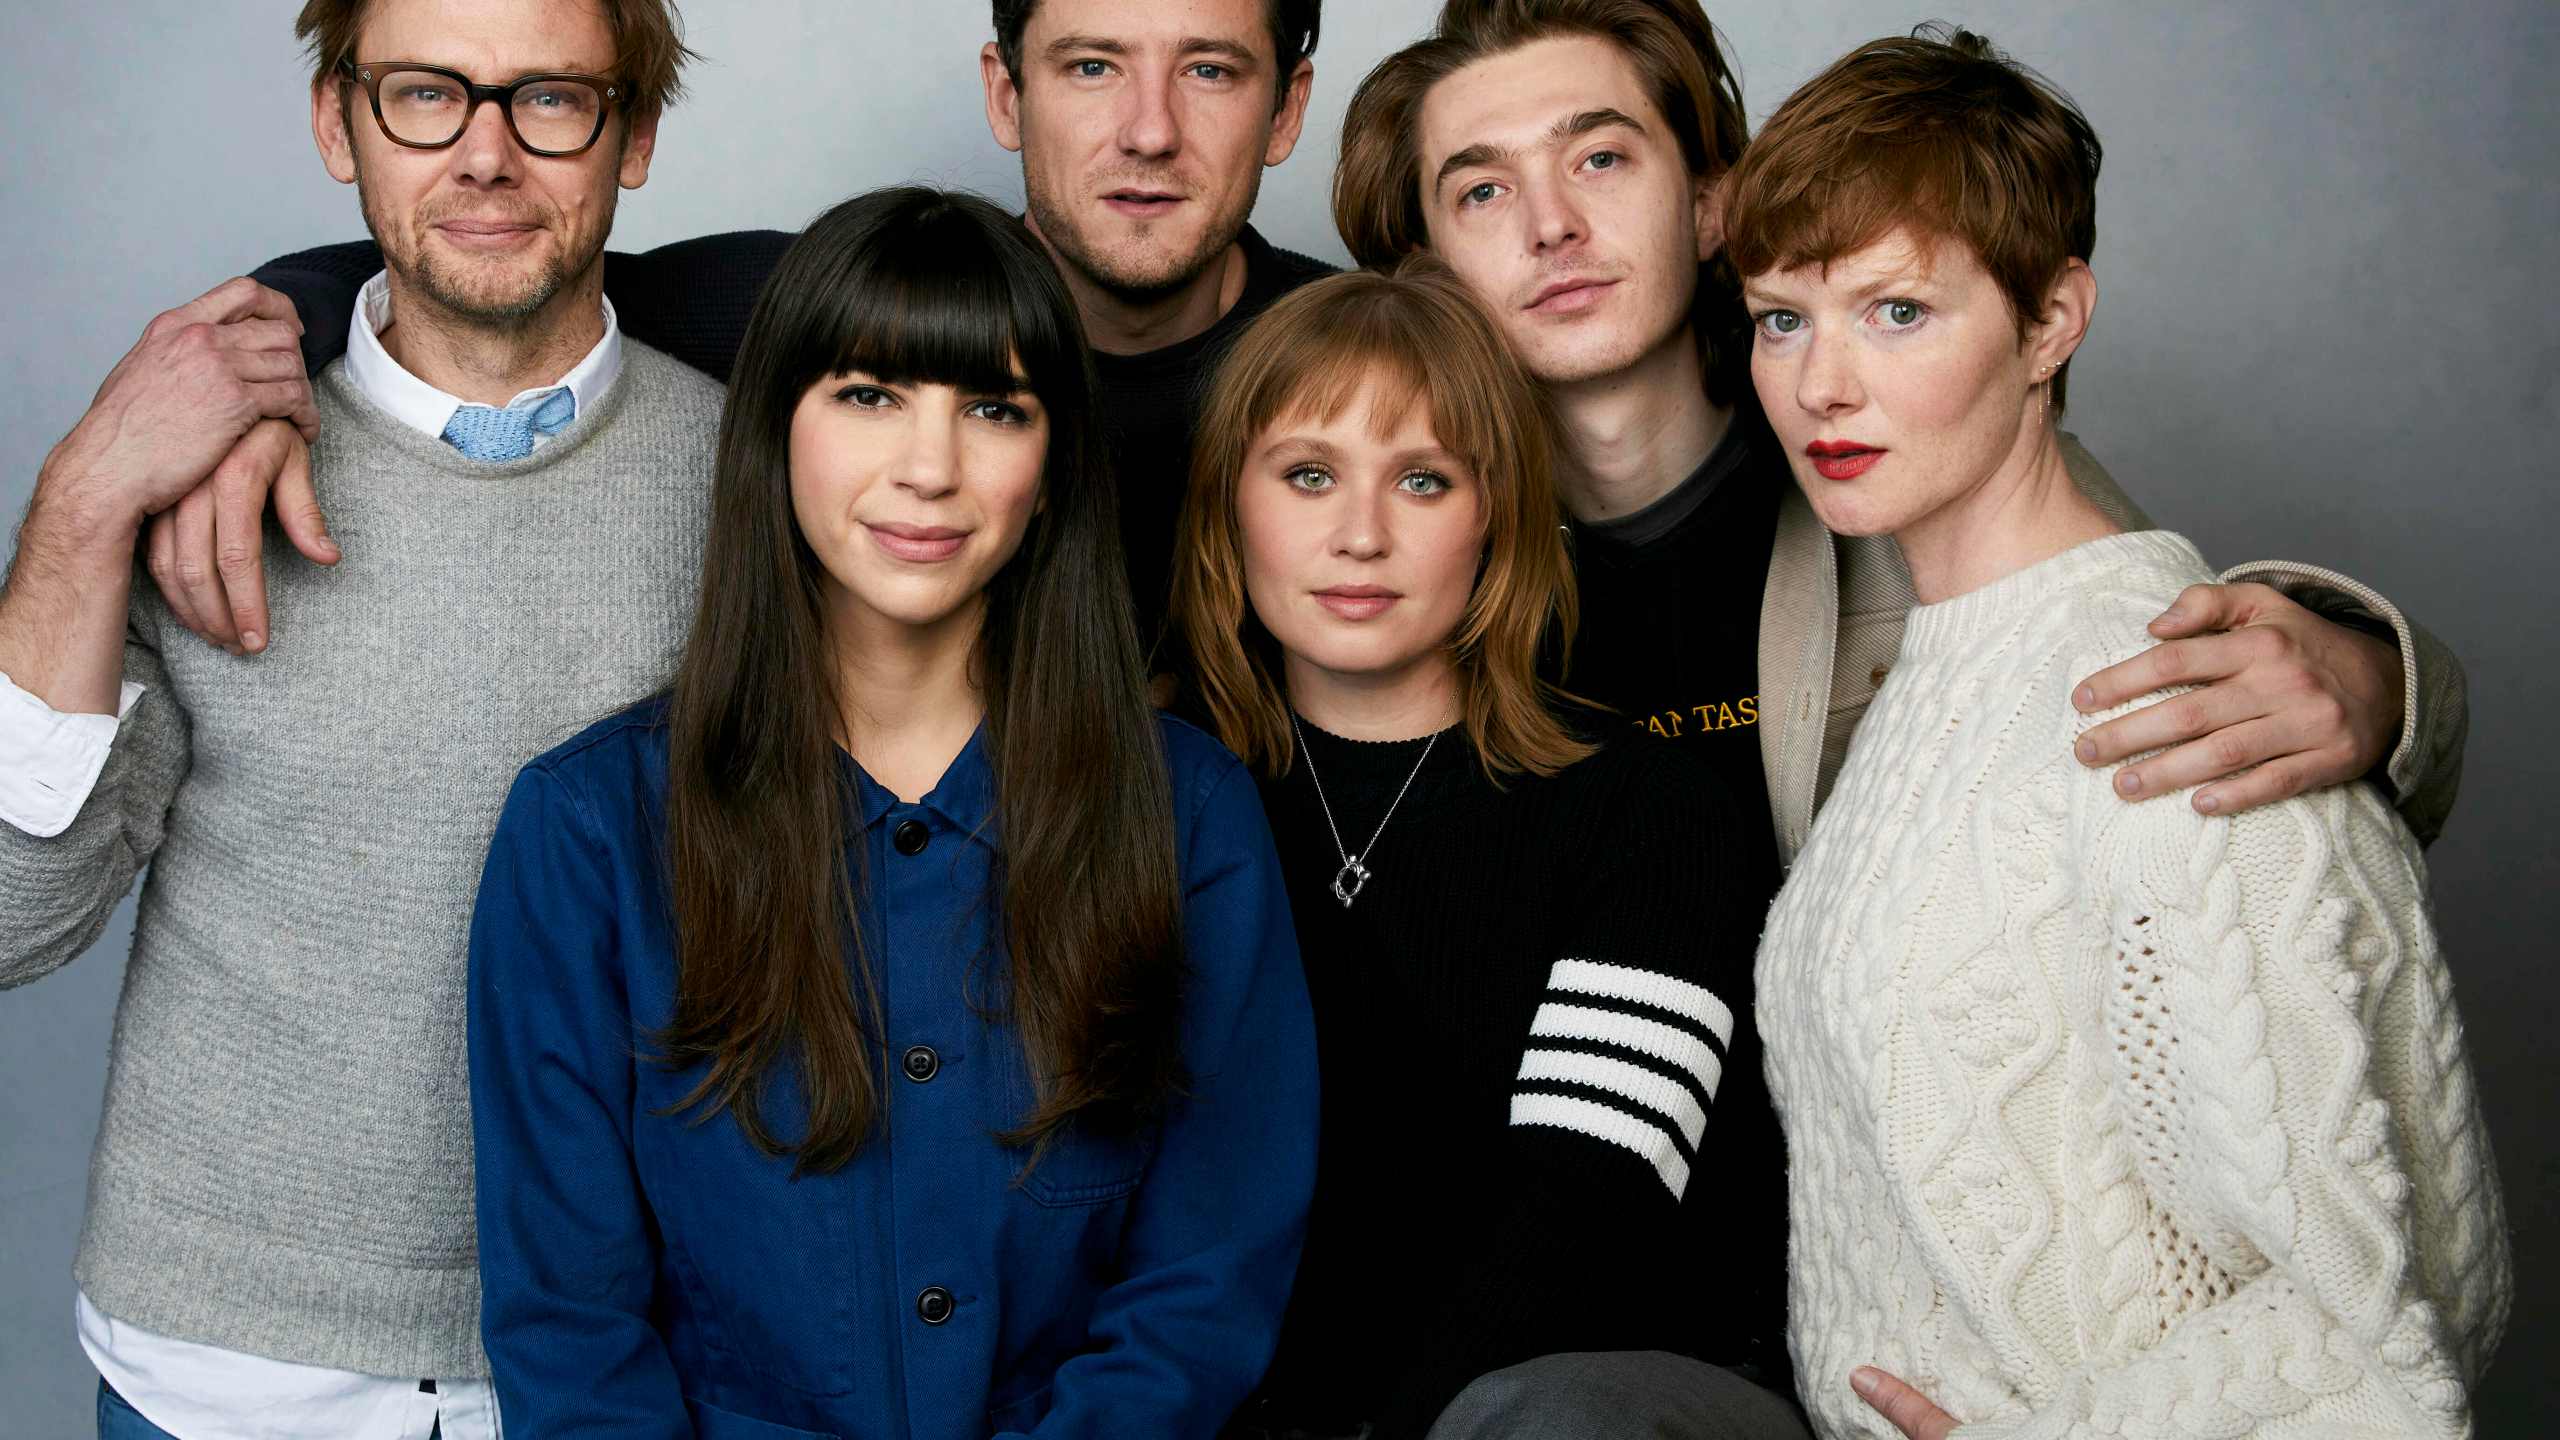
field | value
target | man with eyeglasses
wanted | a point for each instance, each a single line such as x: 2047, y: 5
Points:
x: 279, y: 1239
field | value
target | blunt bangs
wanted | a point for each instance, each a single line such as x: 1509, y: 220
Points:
x: 1383, y: 343
x: 931, y: 298
x: 1413, y: 338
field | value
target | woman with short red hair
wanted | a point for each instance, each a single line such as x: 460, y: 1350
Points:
x: 2103, y: 1118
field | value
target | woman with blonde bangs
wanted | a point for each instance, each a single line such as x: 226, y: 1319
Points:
x: 2102, y: 1118
x: 1527, y: 946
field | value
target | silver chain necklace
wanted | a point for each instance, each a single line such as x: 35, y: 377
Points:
x: 1353, y: 877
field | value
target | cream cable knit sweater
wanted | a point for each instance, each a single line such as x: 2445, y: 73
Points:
x: 2111, y: 1119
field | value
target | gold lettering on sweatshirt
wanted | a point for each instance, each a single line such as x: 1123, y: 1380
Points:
x: 1707, y: 719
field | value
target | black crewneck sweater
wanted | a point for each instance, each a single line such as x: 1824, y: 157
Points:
x: 1670, y: 642
x: 1487, y: 1194
x: 1671, y: 599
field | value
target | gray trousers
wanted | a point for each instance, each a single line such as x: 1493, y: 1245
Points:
x: 1618, y: 1395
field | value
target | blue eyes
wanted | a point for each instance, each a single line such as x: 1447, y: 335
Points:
x: 1891, y: 316
x: 1315, y: 480
x: 1484, y: 192
x: 1203, y: 70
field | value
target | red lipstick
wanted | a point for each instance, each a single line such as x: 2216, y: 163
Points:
x: 1842, y: 459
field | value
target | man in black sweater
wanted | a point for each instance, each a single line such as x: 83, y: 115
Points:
x: 1143, y: 131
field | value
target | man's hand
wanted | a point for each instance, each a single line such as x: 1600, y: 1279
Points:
x: 201, y: 375
x: 1909, y: 1411
x: 208, y: 552
x: 2310, y: 703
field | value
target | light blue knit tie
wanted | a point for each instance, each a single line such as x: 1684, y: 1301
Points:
x: 485, y: 432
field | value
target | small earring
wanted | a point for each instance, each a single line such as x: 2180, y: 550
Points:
x: 2044, y: 401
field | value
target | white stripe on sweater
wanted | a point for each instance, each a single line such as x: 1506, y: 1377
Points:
x: 1642, y: 1085
x: 1560, y: 1021
x: 1601, y: 1122
x: 1646, y: 987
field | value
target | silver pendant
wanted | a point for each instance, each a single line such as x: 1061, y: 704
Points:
x: 1357, y: 875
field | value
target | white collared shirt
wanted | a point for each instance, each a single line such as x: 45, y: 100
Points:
x: 424, y: 408
x: 204, y: 1392
x: 49, y: 762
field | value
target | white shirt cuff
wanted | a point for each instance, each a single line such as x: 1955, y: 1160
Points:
x: 49, y: 761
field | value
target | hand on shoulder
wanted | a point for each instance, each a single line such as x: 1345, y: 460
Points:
x: 2282, y: 702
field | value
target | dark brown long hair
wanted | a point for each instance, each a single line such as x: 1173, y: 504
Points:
x: 923, y: 286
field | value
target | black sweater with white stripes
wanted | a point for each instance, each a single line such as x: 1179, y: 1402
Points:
x: 1545, y: 1127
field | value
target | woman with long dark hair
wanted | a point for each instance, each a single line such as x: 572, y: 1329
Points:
x: 896, y: 1028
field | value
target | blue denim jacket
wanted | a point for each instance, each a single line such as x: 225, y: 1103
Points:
x: 645, y: 1276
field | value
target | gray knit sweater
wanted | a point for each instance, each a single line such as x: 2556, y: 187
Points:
x: 284, y: 1167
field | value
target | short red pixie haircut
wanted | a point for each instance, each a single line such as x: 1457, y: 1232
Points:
x: 1937, y: 134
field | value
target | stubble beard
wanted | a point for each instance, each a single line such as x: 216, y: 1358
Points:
x: 1139, y: 276
x: 499, y: 303
x: 500, y: 297
x: 1616, y: 354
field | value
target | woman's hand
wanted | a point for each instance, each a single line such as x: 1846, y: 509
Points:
x: 1908, y: 1409
x: 2308, y: 702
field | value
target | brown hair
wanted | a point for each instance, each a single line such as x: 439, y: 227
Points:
x: 1295, y: 24
x: 1418, y: 336
x: 1937, y: 132
x: 648, y: 44
x: 1378, y: 185
x: 771, y: 979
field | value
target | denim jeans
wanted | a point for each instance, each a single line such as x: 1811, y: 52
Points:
x: 119, y: 1421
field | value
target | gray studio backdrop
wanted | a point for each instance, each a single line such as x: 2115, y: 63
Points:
x: 2330, y: 246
